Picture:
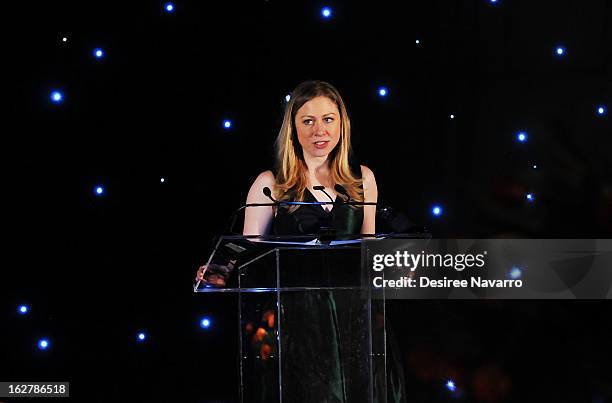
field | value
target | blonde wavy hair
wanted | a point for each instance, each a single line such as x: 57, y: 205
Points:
x: 291, y: 178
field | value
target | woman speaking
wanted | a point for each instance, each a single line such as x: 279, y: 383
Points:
x: 313, y: 156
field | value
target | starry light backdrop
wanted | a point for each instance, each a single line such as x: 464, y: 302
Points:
x: 134, y: 129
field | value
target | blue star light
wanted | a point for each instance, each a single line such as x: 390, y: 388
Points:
x: 205, y: 323
x: 56, y: 97
x: 436, y: 211
x: 601, y: 110
x: 43, y: 344
x: 515, y: 273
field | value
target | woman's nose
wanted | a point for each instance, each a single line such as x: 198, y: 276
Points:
x: 319, y: 128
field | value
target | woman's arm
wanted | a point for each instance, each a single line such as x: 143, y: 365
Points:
x: 370, y: 194
x: 257, y: 220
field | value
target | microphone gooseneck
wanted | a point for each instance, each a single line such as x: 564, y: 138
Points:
x: 322, y: 189
x: 340, y: 189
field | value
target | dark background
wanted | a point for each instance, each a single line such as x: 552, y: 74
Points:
x: 96, y: 270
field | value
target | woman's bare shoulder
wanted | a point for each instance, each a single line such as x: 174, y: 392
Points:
x: 263, y: 180
x: 266, y: 178
x: 367, y: 174
x: 369, y: 183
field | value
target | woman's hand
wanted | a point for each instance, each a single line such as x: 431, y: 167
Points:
x: 214, y: 274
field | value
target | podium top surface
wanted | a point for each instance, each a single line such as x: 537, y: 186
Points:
x: 273, y: 263
x: 315, y: 240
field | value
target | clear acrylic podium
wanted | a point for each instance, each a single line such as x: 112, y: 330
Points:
x: 310, y: 331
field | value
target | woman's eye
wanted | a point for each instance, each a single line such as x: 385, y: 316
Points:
x: 309, y: 121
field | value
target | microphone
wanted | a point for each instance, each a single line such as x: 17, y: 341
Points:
x: 340, y: 189
x: 322, y: 189
x: 266, y: 191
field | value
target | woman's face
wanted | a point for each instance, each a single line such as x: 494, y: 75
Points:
x: 318, y: 126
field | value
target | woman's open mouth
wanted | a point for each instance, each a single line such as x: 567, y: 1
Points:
x: 321, y: 144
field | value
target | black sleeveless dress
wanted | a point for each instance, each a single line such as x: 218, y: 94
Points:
x: 309, y: 219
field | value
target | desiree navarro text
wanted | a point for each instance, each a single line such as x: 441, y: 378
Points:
x: 424, y: 282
